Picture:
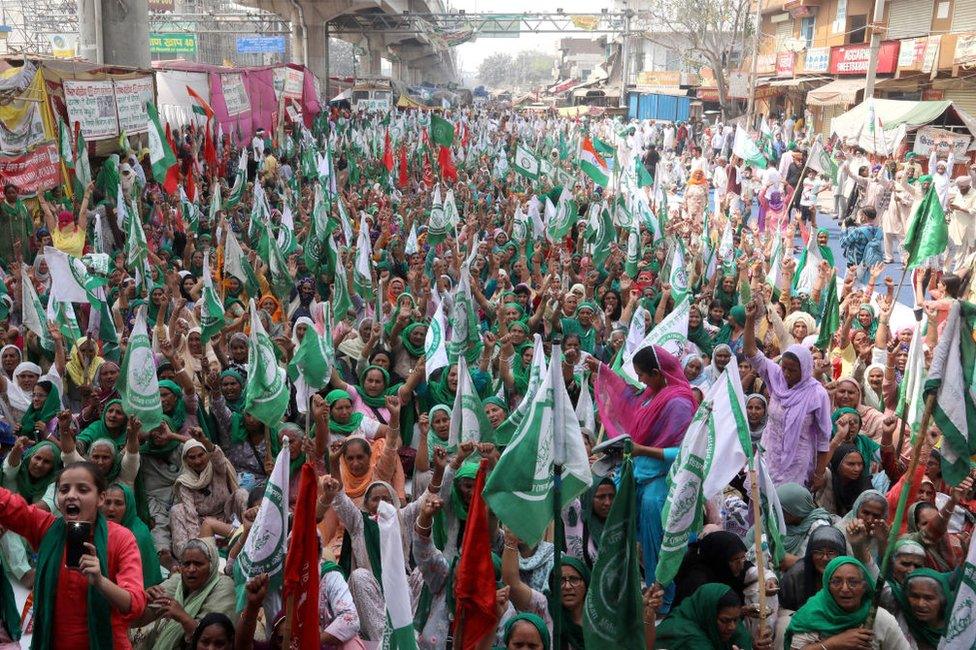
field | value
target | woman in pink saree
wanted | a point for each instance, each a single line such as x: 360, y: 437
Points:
x: 656, y: 419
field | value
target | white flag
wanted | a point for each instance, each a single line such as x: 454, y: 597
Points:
x: 435, y: 342
x: 671, y: 334
x: 264, y: 549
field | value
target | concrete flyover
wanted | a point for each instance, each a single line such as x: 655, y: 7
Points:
x: 415, y: 56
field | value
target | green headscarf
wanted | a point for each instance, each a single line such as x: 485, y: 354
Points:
x: 32, y: 490
x: 149, y: 449
x: 797, y: 501
x: 99, y: 429
x: 433, y: 441
x: 439, y: 391
x: 738, y: 315
x: 822, y: 614
x: 237, y: 404
x: 151, y: 573
x: 378, y: 401
x: 178, y: 416
x: 467, y: 470
x: 572, y: 632
x: 355, y: 418
x: 49, y: 409
x: 414, y: 351
x: 113, y: 473
x: 532, y: 619
x: 50, y: 561
x: 520, y: 371
x: 694, y: 623
x: 825, y: 253
x: 700, y: 337
x: 923, y: 631
x: 868, y: 448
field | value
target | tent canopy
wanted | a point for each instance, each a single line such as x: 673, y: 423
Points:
x: 839, y: 92
x: 894, y: 113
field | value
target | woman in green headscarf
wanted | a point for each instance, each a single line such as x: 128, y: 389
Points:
x: 866, y: 320
x: 158, y: 306
x: 726, y: 292
x: 825, y: 253
x: 44, y: 407
x: 526, y: 630
x: 697, y: 333
x: 496, y: 409
x: 835, y: 615
x: 435, y: 432
x: 848, y: 421
x: 31, y: 473
x: 924, y: 606
x: 171, y: 396
x: 802, y: 516
x: 111, y: 425
x: 710, y: 618
x: 232, y: 388
x: 582, y: 325
x: 733, y: 329
x: 199, y: 589
x: 119, y: 506
x: 345, y: 422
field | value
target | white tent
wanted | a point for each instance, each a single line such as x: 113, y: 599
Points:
x: 853, y: 126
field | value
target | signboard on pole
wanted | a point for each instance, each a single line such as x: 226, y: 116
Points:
x: 260, y: 44
x: 289, y: 81
x: 172, y: 43
x: 92, y: 104
x: 235, y: 95
x: 131, y: 96
x: 36, y: 170
x: 739, y: 85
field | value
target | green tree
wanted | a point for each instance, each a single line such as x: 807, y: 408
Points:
x: 496, y: 70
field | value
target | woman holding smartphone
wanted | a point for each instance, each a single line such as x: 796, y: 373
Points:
x: 99, y: 595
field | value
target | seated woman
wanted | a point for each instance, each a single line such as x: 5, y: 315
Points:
x: 866, y: 528
x: 178, y: 604
x: 344, y: 422
x: 161, y: 460
x: 206, y: 487
x: 111, y: 425
x: 805, y: 577
x: 906, y: 556
x: 846, y: 480
x: 927, y: 526
x: 922, y: 601
x: 716, y: 557
x: 119, y: 505
x: 835, y: 615
x: 93, y: 605
x: 103, y: 452
x: 711, y: 617
x: 526, y: 631
x: 802, y: 517
x: 40, y: 419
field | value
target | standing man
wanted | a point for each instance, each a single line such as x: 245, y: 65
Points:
x: 16, y: 226
x: 962, y: 220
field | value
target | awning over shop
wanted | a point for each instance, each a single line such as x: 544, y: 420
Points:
x: 894, y: 113
x: 796, y: 81
x: 839, y: 92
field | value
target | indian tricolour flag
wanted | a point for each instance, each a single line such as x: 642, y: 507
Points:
x: 592, y: 164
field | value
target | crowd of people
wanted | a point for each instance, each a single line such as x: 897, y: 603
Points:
x: 372, y: 214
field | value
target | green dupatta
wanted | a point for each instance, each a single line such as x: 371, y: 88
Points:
x: 33, y: 490
x: 694, y: 623
x: 48, y: 410
x: 99, y: 429
x: 151, y: 572
x: 822, y: 614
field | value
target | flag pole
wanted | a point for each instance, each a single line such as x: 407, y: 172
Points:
x: 289, y: 620
x: 904, y: 406
x: 757, y: 540
x: 555, y: 586
x: 900, y: 510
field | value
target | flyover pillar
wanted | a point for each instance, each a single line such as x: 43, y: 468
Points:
x: 318, y: 55
x: 121, y: 37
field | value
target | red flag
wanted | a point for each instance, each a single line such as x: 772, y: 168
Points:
x: 448, y: 171
x: 172, y: 182
x: 302, y: 565
x: 209, y: 150
x: 474, y: 579
x: 203, y: 106
x: 189, y: 183
x: 387, y: 153
x: 404, y: 177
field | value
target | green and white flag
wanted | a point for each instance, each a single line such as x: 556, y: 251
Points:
x: 70, y: 279
x: 613, y: 609
x: 441, y: 131
x: 438, y: 224
x: 671, y: 334
x: 604, y: 232
x: 952, y: 378
x: 911, y: 400
x: 435, y: 342
x: 281, y: 280
x: 526, y: 163
x: 468, y: 419
x: 745, y: 148
x: 960, y: 629
x: 565, y: 216
x: 519, y: 489
x: 240, y: 180
x: 135, y: 239
x: 362, y: 274
x: 34, y: 314
x: 773, y: 521
x: 464, y: 322
x: 266, y: 396
x: 62, y: 314
x: 264, y: 548
x: 775, y: 263
x: 928, y: 232
x: 236, y: 264
x: 399, y: 634
x: 137, y: 383
x: 822, y: 161
x: 189, y: 210
x: 537, y: 372
x: 716, y: 446
x: 726, y: 245
x: 315, y: 357
x: 678, y: 277
x: 451, y: 214
x: 412, y: 246
x: 211, y: 308
x: 215, y: 202
x: 161, y: 157
x: 633, y: 251
x: 808, y: 268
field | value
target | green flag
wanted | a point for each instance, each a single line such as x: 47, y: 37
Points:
x: 266, y: 397
x: 633, y: 251
x: 441, y: 131
x: 340, y: 291
x: 161, y: 157
x: 519, y: 489
x: 315, y: 356
x: 468, y: 419
x: 437, y: 225
x: 281, y: 280
x: 34, y: 316
x: 602, y: 147
x: 137, y: 382
x: 211, y: 309
x: 773, y: 521
x: 678, y: 277
x: 604, y: 232
x: 537, y: 372
x: 928, y: 233
x: 526, y: 162
x: 362, y: 275
x: 613, y: 609
x: 830, y: 318
x: 237, y: 265
x: 644, y: 178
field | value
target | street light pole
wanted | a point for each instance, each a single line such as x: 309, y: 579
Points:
x: 755, y: 58
x: 624, y: 58
x: 875, y: 48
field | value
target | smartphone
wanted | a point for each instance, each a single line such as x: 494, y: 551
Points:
x: 77, y: 534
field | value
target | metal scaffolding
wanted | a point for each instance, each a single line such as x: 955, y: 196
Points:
x: 480, y: 24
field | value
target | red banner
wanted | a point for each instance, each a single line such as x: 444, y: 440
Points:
x: 784, y: 63
x: 35, y: 170
x: 853, y: 59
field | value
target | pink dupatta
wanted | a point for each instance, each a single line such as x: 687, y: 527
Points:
x: 622, y: 411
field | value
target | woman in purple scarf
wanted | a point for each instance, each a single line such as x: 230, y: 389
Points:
x: 797, y: 437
